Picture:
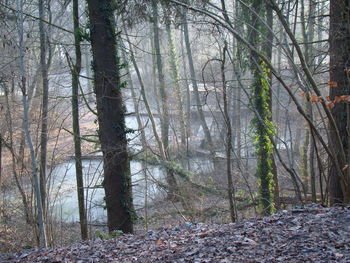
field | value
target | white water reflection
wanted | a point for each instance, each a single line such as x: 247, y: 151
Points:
x: 64, y: 195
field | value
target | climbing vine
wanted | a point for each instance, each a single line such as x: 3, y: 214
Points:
x: 263, y: 129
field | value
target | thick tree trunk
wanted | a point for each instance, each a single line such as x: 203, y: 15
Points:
x: 110, y: 108
x: 339, y: 65
x: 76, y: 129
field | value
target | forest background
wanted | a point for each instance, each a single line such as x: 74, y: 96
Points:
x: 135, y: 114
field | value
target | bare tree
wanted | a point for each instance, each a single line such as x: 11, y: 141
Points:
x: 26, y: 127
x: 76, y: 68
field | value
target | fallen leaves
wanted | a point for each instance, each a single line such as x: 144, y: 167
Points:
x: 309, y: 234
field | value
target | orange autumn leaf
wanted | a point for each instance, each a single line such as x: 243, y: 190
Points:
x: 332, y: 84
x: 345, y: 98
x: 302, y: 94
x: 160, y: 242
x: 319, y: 99
x: 330, y: 105
x: 337, y: 99
x: 313, y: 98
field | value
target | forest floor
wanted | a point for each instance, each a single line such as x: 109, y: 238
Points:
x: 309, y: 234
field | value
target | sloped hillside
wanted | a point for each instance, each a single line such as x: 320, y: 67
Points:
x: 309, y: 234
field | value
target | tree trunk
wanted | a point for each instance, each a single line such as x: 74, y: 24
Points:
x: 88, y: 75
x: 44, y: 106
x: 312, y: 171
x: 14, y: 160
x: 154, y: 68
x: 142, y: 132
x: 339, y: 65
x: 195, y: 86
x: 76, y: 129
x: 267, y: 49
x: 228, y: 144
x: 176, y: 79
x: 161, y: 79
x: 0, y: 159
x: 26, y: 128
x: 111, y: 119
x: 188, y: 93
x: 171, y: 181
x: 308, y: 23
x: 262, y: 105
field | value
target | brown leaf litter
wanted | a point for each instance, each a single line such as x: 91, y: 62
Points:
x: 309, y: 234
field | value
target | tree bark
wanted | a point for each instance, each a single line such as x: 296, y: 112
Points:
x: 195, y: 86
x: 76, y: 129
x: 188, y: 93
x: 161, y: 79
x: 44, y: 106
x: 26, y: 128
x: 262, y: 104
x: 175, y: 79
x: 267, y: 49
x: 228, y: 143
x: 0, y: 159
x: 111, y: 119
x: 171, y: 181
x: 339, y: 65
x: 142, y: 131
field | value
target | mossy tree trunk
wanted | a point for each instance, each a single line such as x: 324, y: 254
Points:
x: 267, y: 49
x: 262, y: 104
